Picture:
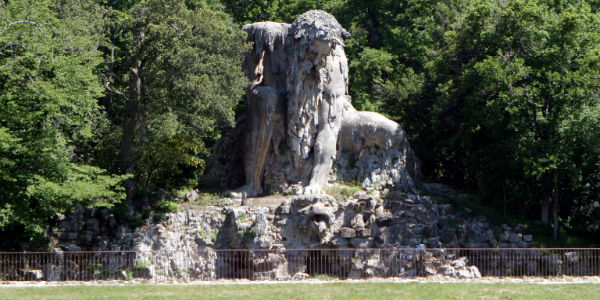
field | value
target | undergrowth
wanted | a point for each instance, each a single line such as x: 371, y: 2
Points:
x: 473, y: 205
x: 341, y: 188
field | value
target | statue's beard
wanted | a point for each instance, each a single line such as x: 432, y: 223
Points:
x: 303, y: 118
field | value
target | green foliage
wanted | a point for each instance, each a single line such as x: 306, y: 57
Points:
x: 188, y: 56
x: 511, y: 89
x: 121, y: 213
x: 141, y: 264
x: 207, y: 198
x: 341, y: 188
x: 245, y: 236
x: 213, y: 237
x: 244, y: 11
x: 158, y: 216
x: 167, y: 206
x: 48, y: 95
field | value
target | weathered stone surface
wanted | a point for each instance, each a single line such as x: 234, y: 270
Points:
x: 366, y: 232
x: 92, y: 225
x: 300, y: 276
x: 32, y: 274
x: 51, y: 272
x: 71, y: 247
x: 360, y: 242
x: 191, y: 196
x: 347, y: 232
x: 515, y: 237
x: 183, y: 243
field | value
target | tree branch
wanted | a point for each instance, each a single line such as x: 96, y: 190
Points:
x: 11, y: 44
x: 21, y: 22
x: 176, y: 29
x: 110, y: 89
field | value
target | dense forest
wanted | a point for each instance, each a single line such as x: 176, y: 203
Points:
x: 109, y: 102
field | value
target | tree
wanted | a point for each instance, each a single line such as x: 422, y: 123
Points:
x: 48, y: 95
x: 524, y: 71
x: 183, y: 80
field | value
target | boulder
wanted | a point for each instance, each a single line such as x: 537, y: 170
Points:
x: 35, y: 275
x: 191, y: 196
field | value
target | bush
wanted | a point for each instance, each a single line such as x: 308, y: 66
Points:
x: 121, y: 213
x: 167, y: 206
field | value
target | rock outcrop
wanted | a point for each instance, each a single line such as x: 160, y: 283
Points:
x: 183, y: 244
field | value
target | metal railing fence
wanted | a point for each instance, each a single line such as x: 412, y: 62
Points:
x: 291, y: 264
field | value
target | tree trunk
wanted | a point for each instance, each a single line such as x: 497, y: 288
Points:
x: 143, y: 126
x: 555, y: 210
x: 546, y: 197
x: 373, y: 29
x: 480, y: 184
x: 129, y: 126
x: 107, y: 101
x: 504, y: 197
x: 545, y: 213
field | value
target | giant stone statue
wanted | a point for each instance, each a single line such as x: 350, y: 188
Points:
x: 300, y: 122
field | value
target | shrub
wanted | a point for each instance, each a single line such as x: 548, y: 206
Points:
x: 167, y: 206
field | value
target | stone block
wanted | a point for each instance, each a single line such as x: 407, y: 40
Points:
x: 52, y: 272
x: 284, y: 209
x: 35, y: 275
x: 347, y: 232
x: 360, y: 242
x: 357, y: 222
x: 516, y: 238
x: 505, y: 236
x: 86, y: 236
x: 433, y: 242
x: 92, y: 225
x: 70, y: 247
x: 446, y: 270
x: 366, y: 232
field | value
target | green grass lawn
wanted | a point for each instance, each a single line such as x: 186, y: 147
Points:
x: 387, y: 290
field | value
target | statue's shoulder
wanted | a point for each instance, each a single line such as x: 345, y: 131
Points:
x: 266, y: 27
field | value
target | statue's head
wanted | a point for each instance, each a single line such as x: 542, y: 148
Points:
x: 319, y: 30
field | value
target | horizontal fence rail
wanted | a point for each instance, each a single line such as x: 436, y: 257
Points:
x: 293, y: 264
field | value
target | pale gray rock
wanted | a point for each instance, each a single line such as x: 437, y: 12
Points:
x: 183, y: 244
x: 300, y: 276
x: 191, y: 196
x: 52, y: 272
x: 347, y: 232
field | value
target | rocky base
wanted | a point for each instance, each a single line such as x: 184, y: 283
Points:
x: 184, y: 242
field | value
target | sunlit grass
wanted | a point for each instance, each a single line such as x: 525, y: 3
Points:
x: 366, y: 290
x: 341, y: 189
